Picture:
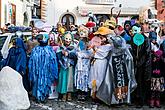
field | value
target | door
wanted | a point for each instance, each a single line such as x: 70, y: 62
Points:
x: 68, y: 20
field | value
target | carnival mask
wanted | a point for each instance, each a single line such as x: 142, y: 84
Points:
x: 43, y: 39
x: 136, y: 29
x: 96, y: 41
x: 68, y: 39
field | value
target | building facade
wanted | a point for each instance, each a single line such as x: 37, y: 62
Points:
x: 75, y: 11
x: 16, y: 12
x: 160, y: 6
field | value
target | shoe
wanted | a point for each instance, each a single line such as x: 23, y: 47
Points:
x: 139, y: 106
x: 151, y: 103
x: 64, y: 97
x: 79, y: 97
x: 157, y: 103
x: 69, y: 98
x: 83, y: 97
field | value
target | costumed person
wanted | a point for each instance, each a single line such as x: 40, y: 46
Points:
x: 119, y: 31
x: 32, y: 42
x: 82, y: 68
x: 112, y: 22
x: 53, y: 37
x: 66, y: 56
x: 141, y: 52
x: 127, y: 27
x: 43, y: 68
x: 17, y: 59
x: 157, y: 75
x: 61, y: 30
x: 91, y: 26
x: 101, y: 49
x: 53, y: 40
x: 119, y: 80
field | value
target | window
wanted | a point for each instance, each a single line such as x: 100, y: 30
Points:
x: 68, y: 20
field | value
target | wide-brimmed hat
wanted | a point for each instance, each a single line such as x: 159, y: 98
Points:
x: 103, y: 31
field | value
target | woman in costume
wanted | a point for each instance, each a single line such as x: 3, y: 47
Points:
x: 43, y: 68
x: 83, y: 64
x: 99, y: 62
x: 66, y: 58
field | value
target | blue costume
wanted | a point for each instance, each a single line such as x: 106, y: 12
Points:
x: 17, y: 60
x: 43, y: 69
x: 17, y: 57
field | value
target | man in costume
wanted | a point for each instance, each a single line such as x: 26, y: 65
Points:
x: 43, y: 68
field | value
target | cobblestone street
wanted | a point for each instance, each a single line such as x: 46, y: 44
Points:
x: 77, y: 105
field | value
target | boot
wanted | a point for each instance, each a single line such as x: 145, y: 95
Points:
x: 157, y: 103
x: 152, y: 103
x: 69, y: 97
x: 64, y: 97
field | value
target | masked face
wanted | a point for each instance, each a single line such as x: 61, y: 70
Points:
x: 136, y: 29
x: 68, y: 39
x: 96, y: 41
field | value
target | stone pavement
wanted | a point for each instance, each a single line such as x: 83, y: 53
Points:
x: 79, y: 105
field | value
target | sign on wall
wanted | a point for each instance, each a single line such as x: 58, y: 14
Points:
x: 104, y: 2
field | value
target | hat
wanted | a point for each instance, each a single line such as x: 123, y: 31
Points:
x: 103, y: 31
x: 111, y: 22
x: 120, y: 28
x: 90, y: 24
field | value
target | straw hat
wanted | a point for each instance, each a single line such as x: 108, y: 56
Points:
x: 103, y: 31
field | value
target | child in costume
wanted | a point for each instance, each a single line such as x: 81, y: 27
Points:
x: 66, y: 56
x: 43, y: 69
x: 83, y: 64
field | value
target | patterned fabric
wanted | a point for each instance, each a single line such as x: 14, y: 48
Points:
x: 82, y: 70
x: 157, y: 84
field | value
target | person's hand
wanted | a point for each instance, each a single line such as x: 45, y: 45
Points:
x: 65, y: 53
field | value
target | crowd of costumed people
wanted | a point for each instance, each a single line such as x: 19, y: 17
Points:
x: 104, y: 61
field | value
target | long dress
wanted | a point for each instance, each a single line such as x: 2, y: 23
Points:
x: 82, y: 70
x: 43, y: 70
x: 66, y: 72
x: 98, y: 67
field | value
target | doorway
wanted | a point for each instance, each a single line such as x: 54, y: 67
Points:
x: 67, y: 20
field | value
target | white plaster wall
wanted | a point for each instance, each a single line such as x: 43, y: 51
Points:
x: 20, y: 9
x: 61, y: 6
